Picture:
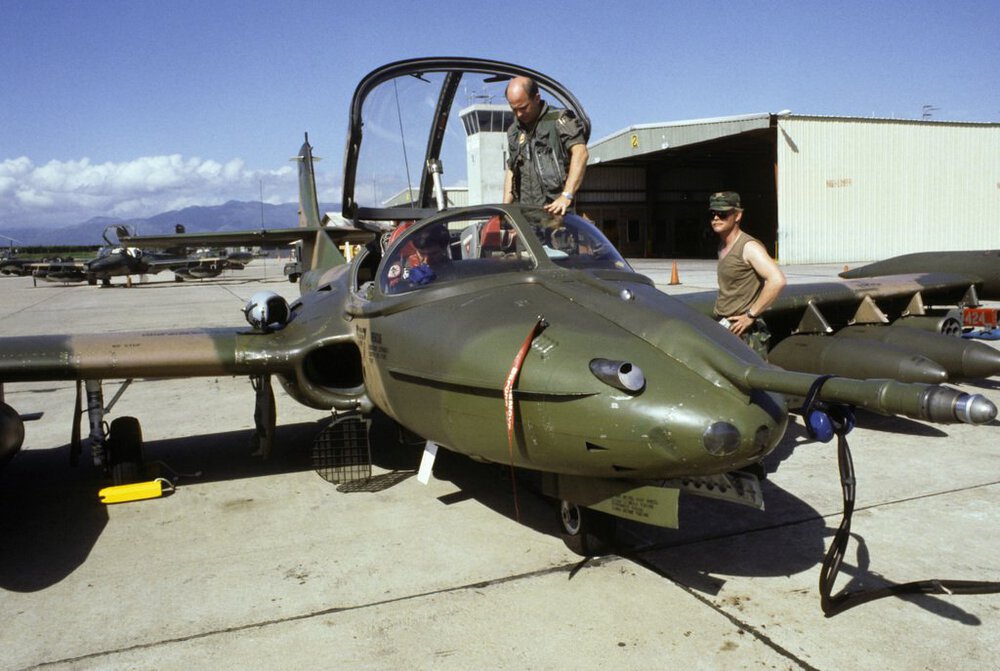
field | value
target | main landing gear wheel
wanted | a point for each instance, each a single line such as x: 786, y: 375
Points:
x: 588, y: 533
x: 124, y: 450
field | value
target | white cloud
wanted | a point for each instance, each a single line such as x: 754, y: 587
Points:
x: 63, y: 193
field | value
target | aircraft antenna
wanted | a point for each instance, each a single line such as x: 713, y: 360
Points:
x: 402, y: 137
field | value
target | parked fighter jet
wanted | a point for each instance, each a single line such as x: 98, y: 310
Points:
x: 499, y: 332
x: 126, y: 259
x: 119, y: 259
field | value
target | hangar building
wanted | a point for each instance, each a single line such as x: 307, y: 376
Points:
x: 816, y: 189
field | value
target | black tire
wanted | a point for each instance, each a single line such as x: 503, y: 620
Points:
x: 588, y: 533
x: 124, y: 450
x: 126, y: 472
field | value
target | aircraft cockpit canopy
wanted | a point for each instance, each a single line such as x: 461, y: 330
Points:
x: 448, y: 112
x: 466, y: 247
x: 471, y: 245
x: 571, y: 241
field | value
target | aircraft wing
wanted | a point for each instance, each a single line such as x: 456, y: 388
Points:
x: 979, y: 266
x: 844, y: 297
x: 55, y: 265
x: 855, y: 327
x: 58, y: 271
x: 196, y: 352
x: 251, y: 238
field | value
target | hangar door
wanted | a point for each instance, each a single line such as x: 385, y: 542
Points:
x: 655, y: 204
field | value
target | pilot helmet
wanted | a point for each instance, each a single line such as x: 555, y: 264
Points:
x: 434, y: 236
x: 267, y: 311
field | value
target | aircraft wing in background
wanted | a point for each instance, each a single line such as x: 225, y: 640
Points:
x: 873, y: 325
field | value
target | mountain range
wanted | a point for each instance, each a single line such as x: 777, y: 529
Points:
x: 232, y: 216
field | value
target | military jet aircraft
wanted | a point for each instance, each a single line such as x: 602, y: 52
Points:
x: 121, y: 259
x: 496, y: 331
x: 186, y: 264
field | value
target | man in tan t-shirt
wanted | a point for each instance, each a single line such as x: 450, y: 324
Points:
x: 749, y: 279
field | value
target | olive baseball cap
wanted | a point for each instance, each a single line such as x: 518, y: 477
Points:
x: 723, y: 201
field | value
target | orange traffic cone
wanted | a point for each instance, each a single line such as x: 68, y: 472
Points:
x: 673, y: 274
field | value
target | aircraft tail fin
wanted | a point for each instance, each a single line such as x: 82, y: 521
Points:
x: 318, y: 250
x: 308, y: 200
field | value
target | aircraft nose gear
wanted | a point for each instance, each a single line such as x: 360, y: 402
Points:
x: 588, y: 533
x: 95, y: 413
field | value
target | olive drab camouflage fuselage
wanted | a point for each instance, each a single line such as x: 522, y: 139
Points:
x: 622, y: 388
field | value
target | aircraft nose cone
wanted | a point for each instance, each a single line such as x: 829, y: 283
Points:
x: 101, y: 264
x: 721, y: 436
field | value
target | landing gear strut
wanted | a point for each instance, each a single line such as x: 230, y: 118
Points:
x: 118, y: 448
x: 264, y: 416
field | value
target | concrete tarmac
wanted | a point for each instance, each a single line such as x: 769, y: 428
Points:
x: 262, y: 564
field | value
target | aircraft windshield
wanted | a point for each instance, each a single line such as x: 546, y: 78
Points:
x: 399, y: 117
x: 571, y: 241
x: 455, y: 249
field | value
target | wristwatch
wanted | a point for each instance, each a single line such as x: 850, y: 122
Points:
x: 567, y: 195
x: 751, y: 315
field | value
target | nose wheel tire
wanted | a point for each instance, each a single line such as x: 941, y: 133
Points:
x: 588, y: 533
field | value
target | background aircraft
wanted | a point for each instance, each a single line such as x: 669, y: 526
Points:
x: 523, y: 339
x: 122, y: 260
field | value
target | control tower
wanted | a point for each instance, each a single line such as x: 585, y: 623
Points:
x: 486, y: 150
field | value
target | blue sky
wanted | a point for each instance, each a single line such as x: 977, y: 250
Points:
x: 111, y: 108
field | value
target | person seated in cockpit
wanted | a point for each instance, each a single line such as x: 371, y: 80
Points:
x: 430, y: 251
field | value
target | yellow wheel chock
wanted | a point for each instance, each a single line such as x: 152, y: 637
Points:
x: 136, y: 491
